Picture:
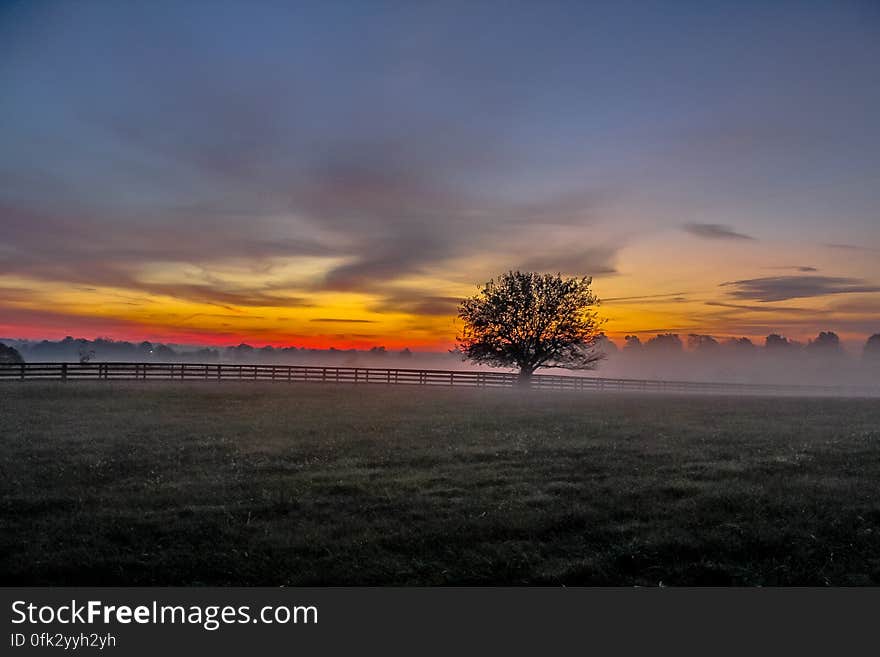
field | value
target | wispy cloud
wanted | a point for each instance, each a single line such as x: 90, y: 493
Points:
x: 780, y: 288
x: 673, y: 297
x: 418, y: 304
x: 801, y: 268
x: 846, y: 247
x: 860, y: 305
x: 592, y: 261
x: 715, y: 232
x: 780, y: 310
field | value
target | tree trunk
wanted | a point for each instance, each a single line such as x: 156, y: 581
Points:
x: 525, y: 377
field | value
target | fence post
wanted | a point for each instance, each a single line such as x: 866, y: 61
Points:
x: 22, y: 371
x: 64, y: 371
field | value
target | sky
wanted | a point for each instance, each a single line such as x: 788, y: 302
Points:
x: 341, y: 174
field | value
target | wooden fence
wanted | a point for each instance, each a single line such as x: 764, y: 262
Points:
x: 390, y: 376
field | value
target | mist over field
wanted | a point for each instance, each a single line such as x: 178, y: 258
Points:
x: 746, y: 363
x: 822, y: 361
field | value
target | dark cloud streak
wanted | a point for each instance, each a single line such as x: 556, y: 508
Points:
x: 715, y: 232
x: 781, y: 288
x: 781, y: 310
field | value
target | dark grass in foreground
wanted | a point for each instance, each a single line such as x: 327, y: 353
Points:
x: 303, y: 484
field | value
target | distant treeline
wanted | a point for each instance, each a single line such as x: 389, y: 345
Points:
x: 825, y: 344
x: 776, y: 359
x: 103, y: 349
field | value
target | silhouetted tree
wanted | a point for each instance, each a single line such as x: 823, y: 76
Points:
x: 776, y: 341
x: 665, y: 342
x: 530, y: 320
x: 85, y: 354
x: 872, y: 347
x: 632, y: 343
x: 9, y: 355
x: 826, y: 343
x: 241, y: 352
x: 740, y: 344
x: 164, y: 352
x: 701, y: 342
x: 605, y: 345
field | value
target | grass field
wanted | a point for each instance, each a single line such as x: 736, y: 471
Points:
x: 178, y: 484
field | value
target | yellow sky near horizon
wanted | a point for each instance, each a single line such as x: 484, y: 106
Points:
x: 661, y: 283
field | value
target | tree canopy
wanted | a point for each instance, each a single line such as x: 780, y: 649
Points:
x: 530, y: 320
x: 9, y: 355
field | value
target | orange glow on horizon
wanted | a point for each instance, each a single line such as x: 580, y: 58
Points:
x: 681, y: 295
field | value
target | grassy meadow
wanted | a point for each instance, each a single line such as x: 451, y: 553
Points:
x: 199, y: 483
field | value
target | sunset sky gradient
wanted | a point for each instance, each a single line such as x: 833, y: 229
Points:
x: 340, y: 175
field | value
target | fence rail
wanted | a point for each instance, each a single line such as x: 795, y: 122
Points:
x: 390, y: 376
